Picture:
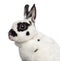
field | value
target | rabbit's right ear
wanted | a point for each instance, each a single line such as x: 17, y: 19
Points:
x: 26, y: 10
x: 32, y: 13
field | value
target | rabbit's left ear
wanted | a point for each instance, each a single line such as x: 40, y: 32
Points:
x: 32, y: 13
x: 26, y: 11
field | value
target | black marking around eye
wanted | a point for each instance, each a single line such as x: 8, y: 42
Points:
x: 22, y: 26
x: 36, y: 50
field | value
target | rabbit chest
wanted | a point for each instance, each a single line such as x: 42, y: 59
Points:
x: 30, y: 49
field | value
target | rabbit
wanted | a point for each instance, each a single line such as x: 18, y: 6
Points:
x: 33, y: 45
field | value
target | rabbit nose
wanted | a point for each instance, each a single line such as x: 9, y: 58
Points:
x: 12, y: 33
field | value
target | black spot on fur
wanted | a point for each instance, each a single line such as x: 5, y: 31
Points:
x: 38, y: 39
x: 12, y: 33
x: 36, y: 50
x: 22, y: 26
x: 27, y: 33
x: 30, y: 22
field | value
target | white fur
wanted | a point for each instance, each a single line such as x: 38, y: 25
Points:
x: 48, y: 50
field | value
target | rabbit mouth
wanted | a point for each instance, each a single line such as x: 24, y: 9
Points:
x: 10, y: 37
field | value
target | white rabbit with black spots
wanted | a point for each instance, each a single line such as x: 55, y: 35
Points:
x: 33, y: 45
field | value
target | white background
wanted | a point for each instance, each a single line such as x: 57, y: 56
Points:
x: 47, y: 22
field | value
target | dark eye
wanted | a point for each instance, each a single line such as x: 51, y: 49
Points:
x: 22, y: 26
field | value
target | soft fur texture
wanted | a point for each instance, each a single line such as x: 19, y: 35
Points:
x: 34, y: 46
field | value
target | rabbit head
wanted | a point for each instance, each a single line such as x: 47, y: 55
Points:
x: 24, y: 30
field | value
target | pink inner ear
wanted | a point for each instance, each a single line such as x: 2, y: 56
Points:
x: 33, y: 14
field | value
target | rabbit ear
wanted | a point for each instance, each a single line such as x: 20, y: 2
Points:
x: 26, y: 8
x: 32, y: 13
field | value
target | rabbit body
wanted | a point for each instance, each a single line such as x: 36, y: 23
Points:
x: 33, y: 45
x: 39, y: 48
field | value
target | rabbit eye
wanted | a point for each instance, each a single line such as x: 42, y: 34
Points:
x: 22, y: 26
